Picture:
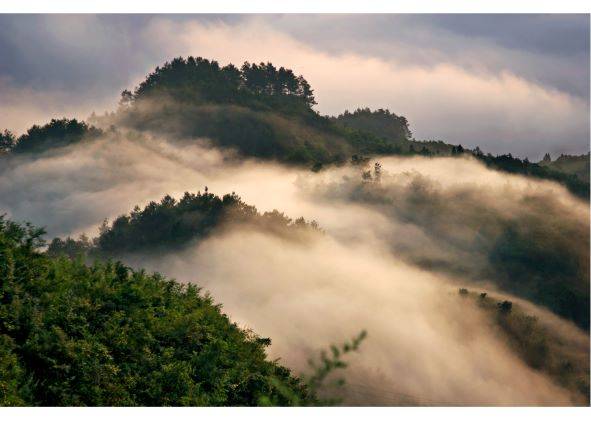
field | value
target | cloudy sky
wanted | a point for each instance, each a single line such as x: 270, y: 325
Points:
x: 508, y: 83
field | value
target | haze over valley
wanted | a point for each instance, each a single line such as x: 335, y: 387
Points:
x: 212, y: 233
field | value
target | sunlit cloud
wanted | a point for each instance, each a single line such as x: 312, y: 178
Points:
x: 450, y: 86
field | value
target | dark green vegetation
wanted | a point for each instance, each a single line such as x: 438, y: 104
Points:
x: 547, y: 261
x: 57, y: 133
x: 577, y: 165
x: 258, y: 110
x: 573, y: 182
x: 539, y: 346
x: 539, y: 250
x: 171, y: 224
x: 197, y: 80
x: 7, y: 141
x: 381, y: 123
x: 265, y: 112
x: 105, y: 335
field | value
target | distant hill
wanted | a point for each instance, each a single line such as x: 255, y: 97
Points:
x: 170, y: 224
x: 577, y: 165
x: 55, y: 134
x: 266, y: 112
x: 259, y: 110
x: 380, y: 123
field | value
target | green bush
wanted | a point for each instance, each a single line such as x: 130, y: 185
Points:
x: 104, y: 335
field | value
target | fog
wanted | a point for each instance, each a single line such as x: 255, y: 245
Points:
x: 425, y: 345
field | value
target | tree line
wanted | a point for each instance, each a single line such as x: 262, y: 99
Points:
x: 202, y: 80
x: 171, y: 224
x: 106, y: 335
x: 57, y: 133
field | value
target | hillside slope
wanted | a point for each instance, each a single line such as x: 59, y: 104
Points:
x: 171, y: 225
x: 262, y: 111
x: 541, y: 347
x: 104, y: 335
x: 577, y: 165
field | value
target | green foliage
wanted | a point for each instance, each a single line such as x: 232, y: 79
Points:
x: 170, y: 224
x: 15, y: 388
x: 105, y: 335
x: 327, y: 364
x: 381, y: 123
x: 7, y: 141
x: 511, y: 164
x: 259, y: 110
x: 56, y: 133
x: 547, y: 262
x: 199, y: 80
x: 538, y: 345
x: 302, y: 138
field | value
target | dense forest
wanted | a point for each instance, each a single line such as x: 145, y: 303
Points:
x: 57, y: 133
x: 105, y: 335
x: 265, y: 112
x: 171, y: 224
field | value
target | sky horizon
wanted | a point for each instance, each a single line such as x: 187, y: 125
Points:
x: 514, y: 84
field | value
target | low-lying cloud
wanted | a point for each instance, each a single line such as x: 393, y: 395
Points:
x: 425, y: 345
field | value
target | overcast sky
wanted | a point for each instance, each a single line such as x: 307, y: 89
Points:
x: 507, y: 83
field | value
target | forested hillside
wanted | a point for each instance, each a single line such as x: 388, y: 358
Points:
x: 266, y: 112
x: 542, y: 348
x: 259, y: 110
x: 105, y: 335
x: 526, y: 252
x: 403, y: 223
x: 171, y: 224
x: 577, y: 165
x: 55, y: 134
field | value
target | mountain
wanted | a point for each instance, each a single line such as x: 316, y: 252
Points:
x: 265, y: 112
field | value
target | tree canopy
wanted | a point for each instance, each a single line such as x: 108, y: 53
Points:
x: 105, y: 335
x: 380, y: 122
x: 202, y: 80
x: 170, y: 224
x: 7, y: 141
x: 56, y: 133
